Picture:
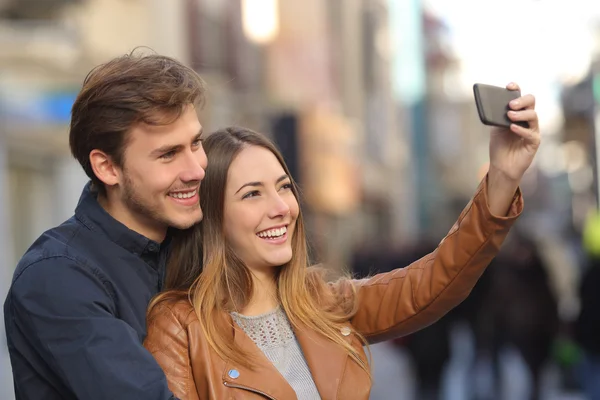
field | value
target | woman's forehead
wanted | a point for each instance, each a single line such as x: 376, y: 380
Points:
x: 255, y: 164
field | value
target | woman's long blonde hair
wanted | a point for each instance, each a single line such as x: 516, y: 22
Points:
x: 204, y: 268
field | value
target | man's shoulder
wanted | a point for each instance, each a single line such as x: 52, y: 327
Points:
x: 71, y: 240
x: 60, y: 284
x: 56, y: 245
x: 58, y: 254
x: 52, y: 274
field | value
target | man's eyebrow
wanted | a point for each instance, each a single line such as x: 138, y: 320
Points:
x: 166, y: 149
x: 173, y: 147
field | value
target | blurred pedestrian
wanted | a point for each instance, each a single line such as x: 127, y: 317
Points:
x: 587, y: 326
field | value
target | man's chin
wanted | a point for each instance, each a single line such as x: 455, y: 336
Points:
x: 187, y: 223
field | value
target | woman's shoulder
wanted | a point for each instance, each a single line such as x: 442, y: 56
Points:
x: 173, y: 307
x: 332, y: 280
x: 335, y: 291
x: 168, y: 334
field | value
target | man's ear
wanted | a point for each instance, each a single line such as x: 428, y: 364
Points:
x: 104, y: 168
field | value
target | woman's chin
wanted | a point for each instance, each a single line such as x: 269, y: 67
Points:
x: 278, y: 261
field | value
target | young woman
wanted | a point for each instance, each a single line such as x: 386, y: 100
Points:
x: 244, y: 315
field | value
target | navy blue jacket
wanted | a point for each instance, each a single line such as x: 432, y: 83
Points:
x: 75, y: 315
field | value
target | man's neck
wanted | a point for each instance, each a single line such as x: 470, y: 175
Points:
x: 119, y: 212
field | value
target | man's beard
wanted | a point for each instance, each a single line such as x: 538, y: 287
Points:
x: 143, y: 206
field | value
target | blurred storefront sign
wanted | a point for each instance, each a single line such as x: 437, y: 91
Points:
x: 25, y: 107
x: 33, y: 9
x: 409, y: 70
x: 329, y: 162
x: 410, y: 82
x: 299, y: 66
x: 35, y: 122
x: 260, y: 20
x: 299, y: 59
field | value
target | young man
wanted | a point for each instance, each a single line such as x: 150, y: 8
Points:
x: 75, y: 312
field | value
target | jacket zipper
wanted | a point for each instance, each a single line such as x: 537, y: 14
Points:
x: 233, y: 385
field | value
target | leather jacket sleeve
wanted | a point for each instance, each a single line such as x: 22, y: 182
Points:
x: 407, y: 299
x: 167, y: 341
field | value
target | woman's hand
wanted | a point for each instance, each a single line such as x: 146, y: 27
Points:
x: 511, y: 152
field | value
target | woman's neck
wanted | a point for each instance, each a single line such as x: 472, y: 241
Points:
x: 264, y: 298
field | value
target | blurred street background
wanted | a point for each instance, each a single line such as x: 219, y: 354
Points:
x: 371, y: 103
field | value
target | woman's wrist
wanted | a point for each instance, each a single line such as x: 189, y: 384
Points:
x: 501, y: 191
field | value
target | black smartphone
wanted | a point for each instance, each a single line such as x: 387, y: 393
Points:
x: 492, y: 105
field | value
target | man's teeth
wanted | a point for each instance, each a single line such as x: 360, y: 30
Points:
x: 183, y: 195
x: 273, y: 233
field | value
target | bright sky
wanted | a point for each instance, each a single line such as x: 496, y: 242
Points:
x: 534, y: 42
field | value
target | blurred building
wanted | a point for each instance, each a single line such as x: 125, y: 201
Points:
x: 331, y: 65
x: 365, y: 98
x: 320, y: 84
x: 47, y: 48
x: 326, y: 69
x: 314, y: 75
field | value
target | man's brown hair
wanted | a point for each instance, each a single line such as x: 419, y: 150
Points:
x: 131, y: 89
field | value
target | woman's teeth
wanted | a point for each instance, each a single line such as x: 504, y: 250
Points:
x: 273, y: 233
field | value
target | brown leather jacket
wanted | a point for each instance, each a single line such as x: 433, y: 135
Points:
x: 390, y: 305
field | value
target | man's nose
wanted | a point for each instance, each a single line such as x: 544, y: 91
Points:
x: 195, y: 166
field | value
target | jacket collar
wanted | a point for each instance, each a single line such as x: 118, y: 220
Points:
x: 325, y: 360
x: 264, y: 378
x: 90, y: 213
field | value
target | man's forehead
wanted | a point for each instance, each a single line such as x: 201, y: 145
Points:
x: 183, y: 129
